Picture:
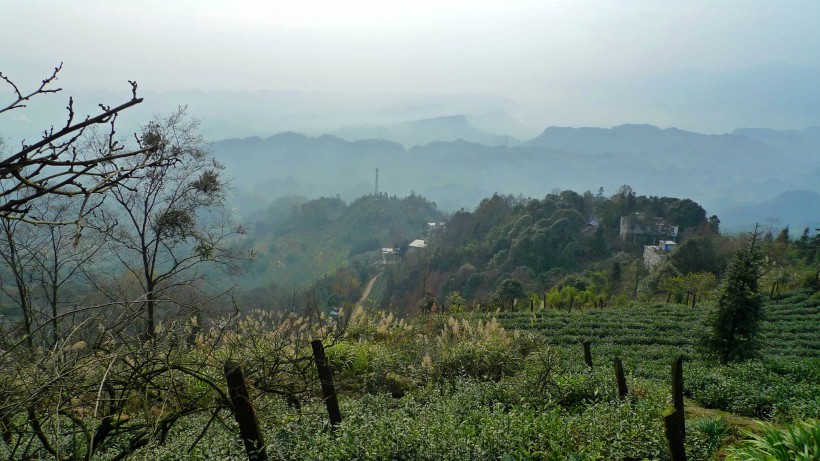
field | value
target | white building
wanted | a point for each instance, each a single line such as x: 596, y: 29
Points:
x: 418, y: 244
x: 653, y: 255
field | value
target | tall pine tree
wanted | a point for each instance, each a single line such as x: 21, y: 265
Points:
x: 734, y: 325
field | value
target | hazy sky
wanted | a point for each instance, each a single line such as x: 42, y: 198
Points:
x: 537, y: 53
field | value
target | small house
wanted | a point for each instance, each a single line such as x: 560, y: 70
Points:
x: 654, y: 255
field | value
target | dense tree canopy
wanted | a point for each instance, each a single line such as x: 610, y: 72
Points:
x: 538, y: 241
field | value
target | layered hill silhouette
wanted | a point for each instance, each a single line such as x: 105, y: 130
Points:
x: 798, y: 209
x: 421, y: 132
x: 723, y: 172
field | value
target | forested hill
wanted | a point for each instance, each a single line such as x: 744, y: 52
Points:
x: 563, y: 239
x: 570, y: 249
x: 732, y: 171
x: 297, y: 241
x: 334, y: 247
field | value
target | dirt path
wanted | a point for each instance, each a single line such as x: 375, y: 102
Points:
x: 368, y: 288
x: 695, y: 411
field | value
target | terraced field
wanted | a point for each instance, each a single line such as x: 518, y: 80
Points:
x: 647, y: 337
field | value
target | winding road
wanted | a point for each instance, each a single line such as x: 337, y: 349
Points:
x: 368, y: 288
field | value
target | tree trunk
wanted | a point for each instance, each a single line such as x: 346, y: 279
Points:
x: 55, y: 334
x: 150, y: 304
x: 22, y: 289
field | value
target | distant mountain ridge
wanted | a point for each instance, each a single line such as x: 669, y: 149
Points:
x: 771, y: 94
x: 421, y: 132
x: 227, y: 114
x: 643, y: 139
x: 797, y: 208
x: 722, y: 172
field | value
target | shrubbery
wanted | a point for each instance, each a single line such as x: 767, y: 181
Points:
x: 795, y: 442
x: 439, y: 387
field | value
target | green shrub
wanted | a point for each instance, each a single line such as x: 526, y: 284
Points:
x: 770, y: 389
x: 705, y: 436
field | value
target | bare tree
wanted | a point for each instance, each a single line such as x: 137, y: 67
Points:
x: 16, y: 245
x: 58, y: 163
x: 171, y: 220
x: 89, y: 389
x: 43, y: 262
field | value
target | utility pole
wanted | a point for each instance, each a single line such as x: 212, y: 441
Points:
x: 377, y: 182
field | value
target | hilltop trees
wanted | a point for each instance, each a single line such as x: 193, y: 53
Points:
x: 538, y: 242
x: 686, y: 213
x: 702, y: 254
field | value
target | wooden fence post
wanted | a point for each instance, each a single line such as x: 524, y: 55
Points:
x: 326, y: 379
x: 623, y: 391
x: 587, y: 354
x: 673, y: 435
x: 677, y: 393
x: 244, y: 413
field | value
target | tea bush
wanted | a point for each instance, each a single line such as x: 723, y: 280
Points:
x: 507, y: 386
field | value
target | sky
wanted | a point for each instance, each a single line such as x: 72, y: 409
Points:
x: 559, y: 61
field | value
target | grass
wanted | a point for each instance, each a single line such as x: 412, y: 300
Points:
x: 795, y: 442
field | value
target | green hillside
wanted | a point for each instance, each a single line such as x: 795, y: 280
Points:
x: 297, y: 242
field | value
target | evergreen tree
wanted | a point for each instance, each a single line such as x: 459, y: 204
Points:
x: 783, y: 236
x: 734, y: 325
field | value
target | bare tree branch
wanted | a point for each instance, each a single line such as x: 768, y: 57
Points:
x: 41, y: 90
x: 58, y: 165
